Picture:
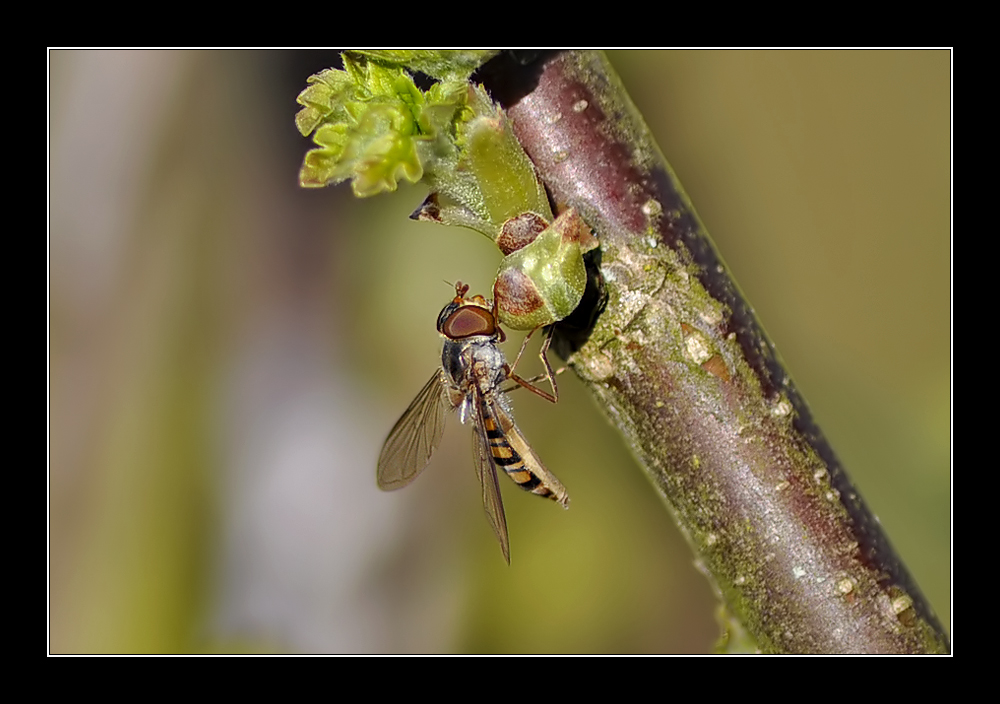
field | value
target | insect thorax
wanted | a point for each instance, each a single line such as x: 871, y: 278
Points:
x: 474, y: 361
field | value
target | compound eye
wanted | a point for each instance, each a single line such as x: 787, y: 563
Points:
x: 468, y: 321
x: 445, y: 314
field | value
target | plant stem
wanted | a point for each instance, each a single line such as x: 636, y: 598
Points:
x: 681, y: 366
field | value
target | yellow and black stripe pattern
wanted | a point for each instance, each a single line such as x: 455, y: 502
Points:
x: 506, y: 457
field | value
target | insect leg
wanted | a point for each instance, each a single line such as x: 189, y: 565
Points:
x: 524, y: 344
x: 549, y: 374
x: 543, y: 355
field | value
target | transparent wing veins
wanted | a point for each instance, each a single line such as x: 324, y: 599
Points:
x: 415, y: 436
x: 487, y: 471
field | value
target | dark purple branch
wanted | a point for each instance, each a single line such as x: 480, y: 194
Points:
x: 684, y: 370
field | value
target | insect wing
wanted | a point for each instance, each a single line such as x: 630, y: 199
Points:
x: 487, y: 471
x: 415, y: 436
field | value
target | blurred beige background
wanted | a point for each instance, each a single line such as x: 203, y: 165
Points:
x: 229, y: 351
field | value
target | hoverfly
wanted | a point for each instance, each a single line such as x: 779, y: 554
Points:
x: 472, y: 370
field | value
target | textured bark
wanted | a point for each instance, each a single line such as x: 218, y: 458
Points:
x: 681, y: 366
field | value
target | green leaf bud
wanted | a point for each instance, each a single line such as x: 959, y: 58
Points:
x: 543, y: 281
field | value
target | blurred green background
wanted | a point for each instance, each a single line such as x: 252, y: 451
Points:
x: 228, y: 352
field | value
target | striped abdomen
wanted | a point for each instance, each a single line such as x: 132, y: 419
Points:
x: 511, y: 453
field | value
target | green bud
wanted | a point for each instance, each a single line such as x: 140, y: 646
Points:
x: 543, y: 282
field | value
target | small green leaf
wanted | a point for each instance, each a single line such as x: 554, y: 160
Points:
x: 439, y: 63
x: 374, y: 126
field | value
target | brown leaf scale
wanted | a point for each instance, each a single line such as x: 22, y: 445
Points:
x: 517, y: 293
